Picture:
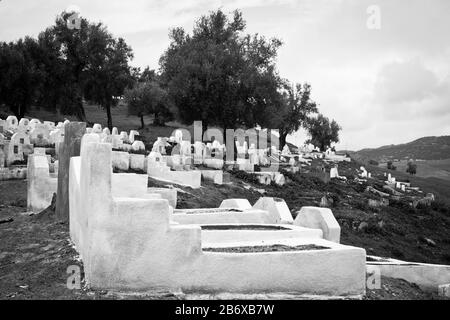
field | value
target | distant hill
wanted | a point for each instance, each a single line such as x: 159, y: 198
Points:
x: 428, y: 148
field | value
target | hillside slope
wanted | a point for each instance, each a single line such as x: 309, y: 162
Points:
x: 428, y: 148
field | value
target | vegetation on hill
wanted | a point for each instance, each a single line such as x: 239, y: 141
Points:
x: 428, y: 148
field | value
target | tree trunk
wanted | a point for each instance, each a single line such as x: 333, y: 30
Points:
x: 142, y: 121
x: 283, y: 137
x: 108, y: 113
x: 80, y: 113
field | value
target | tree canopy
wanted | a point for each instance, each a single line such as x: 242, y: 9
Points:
x: 148, y: 98
x: 220, y: 75
x: 296, y: 108
x: 64, y: 66
x: 323, y: 132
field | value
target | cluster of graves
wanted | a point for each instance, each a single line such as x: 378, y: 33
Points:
x: 18, y: 140
x: 131, y: 237
x: 134, y: 238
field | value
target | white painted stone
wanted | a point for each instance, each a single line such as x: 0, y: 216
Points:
x: 138, y: 146
x: 97, y: 128
x: 215, y: 176
x: 137, y: 162
x: 241, y: 204
x: 12, y: 123
x: 50, y: 125
x: 133, y: 135
x: 24, y: 123
x: 121, y: 160
x: 320, y: 218
x: 40, y: 185
x: 277, y: 209
x: 130, y: 244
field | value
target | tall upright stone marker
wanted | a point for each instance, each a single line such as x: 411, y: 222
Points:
x: 73, y: 132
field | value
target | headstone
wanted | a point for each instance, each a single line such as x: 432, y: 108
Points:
x: 97, y: 128
x: 33, y: 123
x: 2, y: 126
x: 16, y: 146
x: 50, y: 125
x: 133, y: 135
x: 24, y: 123
x: 138, y: 146
x: 334, y: 173
x: 124, y: 136
x: 73, y: 132
x: 12, y: 123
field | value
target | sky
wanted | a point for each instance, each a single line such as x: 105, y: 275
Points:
x: 380, y: 68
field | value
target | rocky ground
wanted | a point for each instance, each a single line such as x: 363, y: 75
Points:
x: 35, y: 251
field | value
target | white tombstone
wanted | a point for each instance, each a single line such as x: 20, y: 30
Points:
x: 23, y: 124
x: 116, y: 141
x: 2, y: 126
x: 185, y: 148
x: 334, y: 173
x: 241, y: 148
x: 138, y: 146
x: 33, y: 122
x: 16, y: 147
x: 56, y: 136
x: 124, y: 136
x: 133, y: 135
x: 12, y: 123
x: 97, y: 128
x: 159, y: 146
x: 178, y: 136
x: 50, y: 125
x: 115, y: 131
x: 253, y: 154
x: 40, y: 132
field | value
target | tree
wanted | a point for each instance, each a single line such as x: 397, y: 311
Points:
x: 87, y: 62
x: 148, y: 98
x: 221, y: 76
x: 20, y: 75
x: 390, y: 166
x: 108, y: 73
x: 323, y: 132
x: 411, y: 168
x: 296, y: 108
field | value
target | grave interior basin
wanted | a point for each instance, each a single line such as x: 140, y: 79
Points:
x: 264, y: 249
x: 245, y: 227
x: 206, y: 211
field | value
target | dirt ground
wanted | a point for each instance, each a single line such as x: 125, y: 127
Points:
x: 35, y: 251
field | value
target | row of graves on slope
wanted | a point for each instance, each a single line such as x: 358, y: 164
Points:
x: 133, y: 238
x: 391, y: 188
x: 155, y: 245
